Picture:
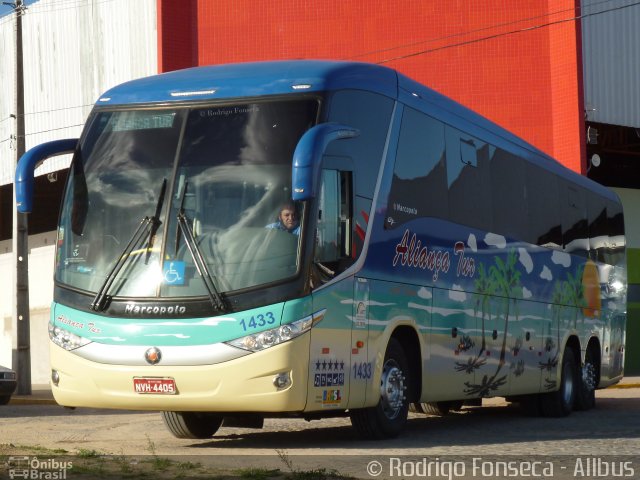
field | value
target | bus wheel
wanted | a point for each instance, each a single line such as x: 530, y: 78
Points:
x: 387, y: 419
x: 439, y: 408
x: 531, y: 404
x: 560, y: 403
x: 192, y: 424
x: 586, y: 394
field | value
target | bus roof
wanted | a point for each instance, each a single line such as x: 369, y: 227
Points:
x: 255, y: 79
x: 252, y: 79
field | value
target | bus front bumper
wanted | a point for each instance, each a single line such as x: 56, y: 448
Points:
x: 246, y: 384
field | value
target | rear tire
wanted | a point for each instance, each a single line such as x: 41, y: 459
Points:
x: 560, y: 403
x: 388, y: 418
x: 5, y: 399
x: 437, y: 408
x: 192, y: 424
x: 531, y: 405
x: 588, y: 381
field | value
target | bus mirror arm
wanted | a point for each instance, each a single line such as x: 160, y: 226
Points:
x: 28, y: 164
x: 307, y: 157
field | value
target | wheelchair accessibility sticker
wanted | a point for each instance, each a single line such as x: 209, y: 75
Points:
x: 173, y: 272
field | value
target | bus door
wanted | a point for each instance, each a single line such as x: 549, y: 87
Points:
x: 361, y: 366
x: 330, y: 353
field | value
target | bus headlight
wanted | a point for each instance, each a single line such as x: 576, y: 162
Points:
x: 275, y: 336
x: 65, y: 339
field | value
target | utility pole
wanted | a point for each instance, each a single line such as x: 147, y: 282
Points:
x: 21, y: 354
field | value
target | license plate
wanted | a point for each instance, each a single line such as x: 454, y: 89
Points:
x: 155, y: 385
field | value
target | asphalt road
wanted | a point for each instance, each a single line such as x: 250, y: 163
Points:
x: 498, y: 428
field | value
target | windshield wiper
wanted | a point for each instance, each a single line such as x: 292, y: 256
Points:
x: 155, y: 221
x: 147, y: 226
x: 215, y: 296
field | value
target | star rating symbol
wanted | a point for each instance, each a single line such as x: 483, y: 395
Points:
x: 331, y: 365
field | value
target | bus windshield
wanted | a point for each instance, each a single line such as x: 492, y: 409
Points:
x: 183, y: 202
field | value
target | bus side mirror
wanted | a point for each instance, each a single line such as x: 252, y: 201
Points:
x: 32, y: 160
x: 307, y: 158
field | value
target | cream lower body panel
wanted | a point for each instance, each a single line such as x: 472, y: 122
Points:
x: 241, y: 385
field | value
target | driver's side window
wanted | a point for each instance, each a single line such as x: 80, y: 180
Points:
x: 334, y: 223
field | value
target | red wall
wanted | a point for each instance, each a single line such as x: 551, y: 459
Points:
x: 521, y: 67
x: 177, y: 35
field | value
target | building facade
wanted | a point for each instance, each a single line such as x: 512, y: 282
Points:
x: 73, y: 51
x: 522, y: 67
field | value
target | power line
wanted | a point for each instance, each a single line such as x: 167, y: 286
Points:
x: 58, y: 6
x: 66, y: 4
x: 59, y: 109
x: 53, y: 129
x: 468, y: 32
x: 12, y: 116
x: 502, y: 34
x: 14, y: 137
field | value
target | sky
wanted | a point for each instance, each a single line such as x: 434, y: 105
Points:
x: 7, y: 9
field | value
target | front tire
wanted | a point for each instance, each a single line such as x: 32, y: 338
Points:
x: 560, y: 403
x: 192, y: 424
x: 388, y: 418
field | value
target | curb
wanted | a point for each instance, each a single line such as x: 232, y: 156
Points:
x: 39, y: 400
x: 625, y: 385
x: 28, y: 400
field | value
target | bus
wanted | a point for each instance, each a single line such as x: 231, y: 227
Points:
x: 432, y: 259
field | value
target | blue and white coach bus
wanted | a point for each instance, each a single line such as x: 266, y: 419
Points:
x: 315, y: 239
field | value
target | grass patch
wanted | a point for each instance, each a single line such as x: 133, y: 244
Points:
x: 93, y: 464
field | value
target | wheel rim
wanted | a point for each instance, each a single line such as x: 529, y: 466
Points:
x: 589, y: 376
x: 392, y: 387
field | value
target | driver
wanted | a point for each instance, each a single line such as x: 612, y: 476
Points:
x: 287, y: 220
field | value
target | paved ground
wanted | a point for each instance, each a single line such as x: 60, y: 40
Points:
x: 41, y: 394
x: 499, y: 428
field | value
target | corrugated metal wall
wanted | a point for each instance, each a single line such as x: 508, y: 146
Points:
x: 73, y: 51
x: 611, y: 57
x: 7, y: 96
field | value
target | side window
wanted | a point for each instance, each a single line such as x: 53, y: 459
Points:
x: 615, y: 252
x: 508, y: 195
x: 334, y: 222
x: 545, y: 228
x: 419, y: 186
x: 598, y: 228
x: 467, y: 167
x: 575, y: 236
x: 370, y: 113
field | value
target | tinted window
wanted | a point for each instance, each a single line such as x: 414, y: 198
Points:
x: 467, y: 179
x: 575, y: 237
x: 230, y: 185
x: 544, y: 218
x: 370, y: 113
x: 508, y: 195
x: 419, y: 187
x: 598, y: 228
x: 615, y: 253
